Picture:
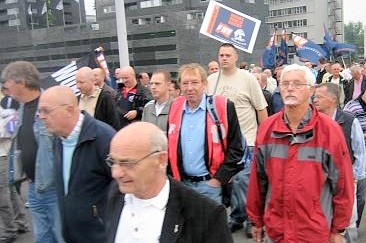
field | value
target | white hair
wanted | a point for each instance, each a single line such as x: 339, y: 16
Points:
x: 308, y: 75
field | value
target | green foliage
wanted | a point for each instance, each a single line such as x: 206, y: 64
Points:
x: 354, y: 34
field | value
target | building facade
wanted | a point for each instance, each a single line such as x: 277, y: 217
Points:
x: 162, y: 34
x: 306, y: 18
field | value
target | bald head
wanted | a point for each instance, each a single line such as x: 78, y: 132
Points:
x: 85, y: 72
x: 60, y: 95
x: 128, y: 76
x: 99, y: 76
x: 141, y: 135
x: 58, y: 108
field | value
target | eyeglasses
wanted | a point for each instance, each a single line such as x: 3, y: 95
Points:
x: 296, y: 85
x: 47, y: 111
x: 112, y: 162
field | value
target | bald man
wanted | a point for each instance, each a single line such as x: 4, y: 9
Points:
x: 82, y: 175
x: 132, y: 97
x: 144, y: 205
x: 99, y: 78
x: 98, y: 102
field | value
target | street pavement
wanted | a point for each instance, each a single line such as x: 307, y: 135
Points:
x: 239, y: 236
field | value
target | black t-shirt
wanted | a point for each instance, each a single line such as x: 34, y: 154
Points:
x: 26, y: 139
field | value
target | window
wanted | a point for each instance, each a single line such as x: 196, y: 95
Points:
x: 109, y: 9
x: 11, y: 1
x: 13, y: 11
x: 150, y: 4
x: 160, y: 19
x: 14, y: 22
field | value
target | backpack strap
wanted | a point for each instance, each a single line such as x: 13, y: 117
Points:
x: 211, y: 107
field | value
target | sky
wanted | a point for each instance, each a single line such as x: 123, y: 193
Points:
x: 354, y: 11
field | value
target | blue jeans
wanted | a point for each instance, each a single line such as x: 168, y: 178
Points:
x: 239, y: 191
x: 45, y: 215
x: 202, y: 187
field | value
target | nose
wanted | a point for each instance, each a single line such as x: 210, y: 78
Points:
x: 118, y: 171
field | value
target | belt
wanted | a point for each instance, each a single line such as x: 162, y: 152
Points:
x: 197, y: 178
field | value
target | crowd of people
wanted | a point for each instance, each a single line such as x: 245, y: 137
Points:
x: 159, y: 160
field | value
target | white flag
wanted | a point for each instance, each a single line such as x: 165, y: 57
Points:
x: 60, y: 5
x: 30, y: 9
x: 44, y: 9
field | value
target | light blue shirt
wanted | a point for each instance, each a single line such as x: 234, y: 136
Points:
x: 192, y: 139
x: 358, y: 148
x: 68, y: 148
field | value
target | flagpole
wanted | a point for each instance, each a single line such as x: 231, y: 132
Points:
x: 63, y: 16
x: 80, y: 14
x: 124, y: 59
x: 32, y: 21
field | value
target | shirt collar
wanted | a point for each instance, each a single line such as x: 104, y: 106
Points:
x: 159, y: 201
x: 77, y: 129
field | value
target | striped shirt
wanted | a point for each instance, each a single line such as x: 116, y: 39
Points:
x: 357, y: 108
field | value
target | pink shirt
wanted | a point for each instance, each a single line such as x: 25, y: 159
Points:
x: 357, y: 88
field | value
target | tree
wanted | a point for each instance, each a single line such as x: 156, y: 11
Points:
x: 353, y: 33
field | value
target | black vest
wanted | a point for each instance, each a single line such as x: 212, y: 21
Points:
x: 345, y: 120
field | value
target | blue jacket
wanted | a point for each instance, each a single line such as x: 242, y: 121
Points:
x: 83, y: 208
x: 45, y: 172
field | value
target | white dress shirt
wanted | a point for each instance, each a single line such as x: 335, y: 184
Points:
x: 141, y: 220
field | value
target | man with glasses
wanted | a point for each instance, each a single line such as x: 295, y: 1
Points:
x: 144, y: 205
x: 82, y: 174
x: 301, y: 180
x: 31, y: 152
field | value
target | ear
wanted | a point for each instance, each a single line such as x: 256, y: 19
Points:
x: 163, y: 159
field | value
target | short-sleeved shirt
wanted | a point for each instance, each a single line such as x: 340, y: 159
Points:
x: 243, y: 89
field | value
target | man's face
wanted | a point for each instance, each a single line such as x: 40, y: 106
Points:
x: 336, y: 68
x: 356, y: 74
x: 294, y: 89
x: 14, y: 89
x: 86, y: 86
x: 159, y: 86
x: 213, y: 67
x: 99, y: 78
x: 128, y: 79
x: 144, y: 79
x: 192, y: 87
x: 135, y: 178
x: 322, y: 100
x: 173, y: 92
x: 52, y: 114
x: 227, y: 57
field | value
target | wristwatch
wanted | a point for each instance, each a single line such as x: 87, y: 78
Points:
x: 342, y: 232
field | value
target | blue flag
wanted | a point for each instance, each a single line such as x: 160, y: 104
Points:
x: 308, y: 50
x: 335, y: 47
x: 283, y: 50
x: 269, y: 55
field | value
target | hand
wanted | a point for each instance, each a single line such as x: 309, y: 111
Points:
x: 336, y: 238
x: 257, y: 233
x: 131, y: 115
x: 214, y: 182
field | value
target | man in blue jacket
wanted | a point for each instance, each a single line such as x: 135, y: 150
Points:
x: 80, y: 152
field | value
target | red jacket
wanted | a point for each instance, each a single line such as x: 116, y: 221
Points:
x: 301, y: 185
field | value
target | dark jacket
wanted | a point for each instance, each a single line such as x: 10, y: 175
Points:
x: 345, y: 120
x: 197, y: 218
x: 83, y: 208
x: 105, y: 109
x: 137, y: 102
x: 350, y: 86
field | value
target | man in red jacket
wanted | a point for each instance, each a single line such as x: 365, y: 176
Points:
x: 301, y: 182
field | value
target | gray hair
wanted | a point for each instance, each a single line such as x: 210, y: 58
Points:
x: 332, y: 89
x: 22, y: 71
x: 308, y: 75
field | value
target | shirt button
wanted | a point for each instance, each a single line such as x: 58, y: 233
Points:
x: 136, y: 229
